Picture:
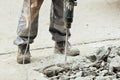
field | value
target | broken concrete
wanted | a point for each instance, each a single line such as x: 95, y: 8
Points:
x: 106, y: 66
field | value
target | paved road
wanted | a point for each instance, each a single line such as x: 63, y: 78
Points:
x: 96, y: 23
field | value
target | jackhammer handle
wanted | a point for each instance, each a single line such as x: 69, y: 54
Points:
x: 68, y: 12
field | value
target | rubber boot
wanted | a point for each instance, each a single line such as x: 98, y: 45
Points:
x: 60, y: 48
x: 23, y: 56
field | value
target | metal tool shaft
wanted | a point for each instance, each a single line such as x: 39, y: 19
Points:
x: 66, y: 44
x: 68, y: 19
x: 29, y: 31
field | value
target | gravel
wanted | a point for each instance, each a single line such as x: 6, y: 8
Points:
x: 103, y: 65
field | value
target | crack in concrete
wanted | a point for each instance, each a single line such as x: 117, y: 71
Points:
x: 49, y: 47
x: 91, y: 42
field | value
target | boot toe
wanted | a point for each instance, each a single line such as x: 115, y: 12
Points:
x: 73, y: 52
x: 70, y: 52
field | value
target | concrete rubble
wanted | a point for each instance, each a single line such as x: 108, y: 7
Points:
x: 103, y: 65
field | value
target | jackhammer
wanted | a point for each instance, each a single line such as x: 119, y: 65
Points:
x: 68, y: 19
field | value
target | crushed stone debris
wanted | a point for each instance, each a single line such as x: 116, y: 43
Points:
x: 104, y: 64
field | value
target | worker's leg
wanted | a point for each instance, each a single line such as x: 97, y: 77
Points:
x: 23, y: 29
x: 58, y: 30
x: 23, y: 26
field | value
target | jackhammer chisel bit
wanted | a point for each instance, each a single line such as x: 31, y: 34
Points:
x: 68, y: 19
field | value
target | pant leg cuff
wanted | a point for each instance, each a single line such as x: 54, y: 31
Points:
x: 19, y: 41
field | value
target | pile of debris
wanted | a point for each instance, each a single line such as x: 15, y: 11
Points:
x: 103, y: 65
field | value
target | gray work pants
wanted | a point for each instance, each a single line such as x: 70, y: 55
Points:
x: 57, y: 28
